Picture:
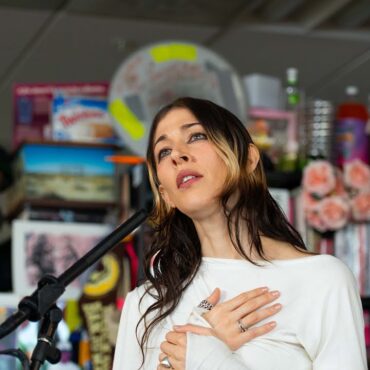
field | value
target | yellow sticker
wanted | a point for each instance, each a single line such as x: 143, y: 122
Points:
x: 103, y: 281
x: 173, y: 51
x: 127, y: 119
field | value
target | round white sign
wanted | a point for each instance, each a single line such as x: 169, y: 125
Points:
x: 159, y: 73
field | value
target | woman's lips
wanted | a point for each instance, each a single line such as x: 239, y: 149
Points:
x: 189, y: 182
x: 187, y: 177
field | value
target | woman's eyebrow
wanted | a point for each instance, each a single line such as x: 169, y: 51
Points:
x: 184, y: 127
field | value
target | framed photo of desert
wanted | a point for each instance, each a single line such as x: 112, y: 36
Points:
x: 42, y: 247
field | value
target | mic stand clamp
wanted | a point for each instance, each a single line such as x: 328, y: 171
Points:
x: 45, y: 348
x: 49, y: 289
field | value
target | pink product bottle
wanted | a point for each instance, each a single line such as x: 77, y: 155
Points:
x: 351, y: 141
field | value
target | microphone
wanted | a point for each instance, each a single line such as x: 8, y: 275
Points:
x: 50, y: 288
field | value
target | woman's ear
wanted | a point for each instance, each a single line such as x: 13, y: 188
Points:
x: 165, y: 197
x: 253, y: 157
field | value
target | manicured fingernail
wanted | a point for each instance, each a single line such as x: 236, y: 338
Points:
x: 264, y: 289
x: 277, y: 306
x: 275, y: 293
x: 272, y: 324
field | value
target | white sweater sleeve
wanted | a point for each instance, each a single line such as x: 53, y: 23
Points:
x: 339, y: 344
x: 127, y: 353
x: 209, y: 353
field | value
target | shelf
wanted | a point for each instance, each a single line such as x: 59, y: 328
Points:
x: 59, y: 203
x: 69, y: 144
x: 56, y: 203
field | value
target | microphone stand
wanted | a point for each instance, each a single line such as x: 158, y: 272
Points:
x: 42, y: 302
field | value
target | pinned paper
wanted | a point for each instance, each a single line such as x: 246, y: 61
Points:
x: 127, y: 119
x: 173, y: 51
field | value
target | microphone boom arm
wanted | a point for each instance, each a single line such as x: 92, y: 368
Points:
x: 50, y: 288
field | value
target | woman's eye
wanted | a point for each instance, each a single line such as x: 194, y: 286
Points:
x: 163, y: 153
x: 198, y: 136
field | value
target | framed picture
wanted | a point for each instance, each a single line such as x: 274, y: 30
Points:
x: 41, y: 248
x: 68, y: 172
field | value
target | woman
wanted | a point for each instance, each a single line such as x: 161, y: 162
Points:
x: 219, y: 234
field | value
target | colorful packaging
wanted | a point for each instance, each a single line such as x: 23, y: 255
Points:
x: 32, y: 102
x: 351, y: 140
x: 82, y: 119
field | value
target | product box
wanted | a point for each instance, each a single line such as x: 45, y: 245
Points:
x: 32, y: 106
x: 82, y: 119
x: 263, y: 91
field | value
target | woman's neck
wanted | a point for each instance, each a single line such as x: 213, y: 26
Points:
x: 215, y: 241
x: 214, y: 237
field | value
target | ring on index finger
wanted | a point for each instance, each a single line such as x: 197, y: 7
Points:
x: 243, y: 328
x: 206, y: 305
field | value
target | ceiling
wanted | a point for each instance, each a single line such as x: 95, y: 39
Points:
x: 86, y: 40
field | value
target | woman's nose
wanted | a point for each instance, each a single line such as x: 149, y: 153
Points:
x: 179, y: 157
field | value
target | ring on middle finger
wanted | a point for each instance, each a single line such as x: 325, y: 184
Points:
x: 243, y: 328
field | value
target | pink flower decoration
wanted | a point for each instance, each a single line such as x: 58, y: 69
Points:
x: 339, y: 184
x: 319, y: 178
x: 361, y: 207
x: 357, y: 175
x: 309, y: 202
x: 334, y: 212
x: 314, y: 220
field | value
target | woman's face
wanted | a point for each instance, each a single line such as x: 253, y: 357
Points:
x: 190, y: 171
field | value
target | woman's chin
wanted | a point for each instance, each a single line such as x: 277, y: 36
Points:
x: 197, y: 210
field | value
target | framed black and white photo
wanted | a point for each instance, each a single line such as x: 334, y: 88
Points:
x: 41, y: 247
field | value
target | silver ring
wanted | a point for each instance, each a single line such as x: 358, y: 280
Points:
x: 206, y: 305
x: 243, y: 328
x: 166, y: 363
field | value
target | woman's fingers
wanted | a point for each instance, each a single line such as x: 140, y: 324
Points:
x: 250, y: 334
x: 257, y: 331
x: 173, y: 351
x: 195, y: 329
x: 255, y: 303
x: 168, y: 348
x: 257, y: 316
x: 231, y: 320
x: 242, y: 298
x: 214, y: 297
x: 176, y: 338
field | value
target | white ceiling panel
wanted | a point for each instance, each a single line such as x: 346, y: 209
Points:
x: 91, y: 48
x: 313, y: 54
x: 201, y: 12
x: 17, y: 29
x: 334, y: 87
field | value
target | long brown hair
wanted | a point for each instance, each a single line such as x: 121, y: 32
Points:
x: 174, y: 257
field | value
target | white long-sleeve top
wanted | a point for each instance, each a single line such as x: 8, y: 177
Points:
x: 320, y: 326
